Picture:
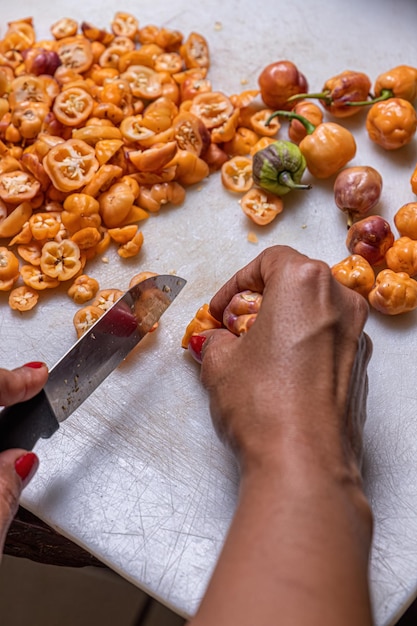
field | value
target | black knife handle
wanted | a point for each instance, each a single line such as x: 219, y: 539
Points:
x: 22, y: 424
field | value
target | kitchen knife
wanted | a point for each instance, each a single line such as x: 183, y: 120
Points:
x: 91, y: 359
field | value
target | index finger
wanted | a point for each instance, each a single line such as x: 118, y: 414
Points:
x: 253, y: 276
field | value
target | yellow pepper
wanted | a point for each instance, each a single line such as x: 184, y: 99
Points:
x: 393, y: 293
x: 356, y: 273
x: 391, y: 123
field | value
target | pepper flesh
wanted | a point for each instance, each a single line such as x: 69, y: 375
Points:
x: 202, y: 320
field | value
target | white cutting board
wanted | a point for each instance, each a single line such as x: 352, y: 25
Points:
x: 137, y: 475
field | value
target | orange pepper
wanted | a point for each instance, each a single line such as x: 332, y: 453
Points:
x: 15, y: 220
x: 152, y: 198
x: 236, y: 174
x: 413, y: 181
x: 340, y: 92
x: 80, y: 211
x: 124, y: 234
x: 115, y: 204
x: 212, y: 108
x: 75, y: 53
x: 394, y: 293
x: 405, y: 220
x: 391, y: 123
x: 9, y: 264
x: 34, y: 277
x: 202, y: 320
x: 45, y: 225
x: 355, y: 273
x: 242, y: 142
x: 125, y: 25
x: 83, y: 288
x: 154, y: 158
x: 257, y: 122
x: 84, y: 318
x: 326, y: 147
x: 18, y: 186
x: 60, y: 260
x: 402, y: 256
x: 23, y: 298
x: 309, y: 110
x: 190, y: 133
x: 64, y: 27
x: 261, y: 206
x: 227, y: 130
x: 73, y: 106
x: 399, y: 82
x: 70, y: 165
x: 132, y: 247
x: 195, y: 51
x: 87, y: 237
x: 105, y: 298
x: 31, y: 252
x: 138, y: 278
x: 189, y: 168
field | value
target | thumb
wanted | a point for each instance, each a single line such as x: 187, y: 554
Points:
x: 17, y: 467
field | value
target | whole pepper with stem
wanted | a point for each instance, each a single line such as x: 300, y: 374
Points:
x: 279, y: 167
x: 399, y: 82
x: 326, y: 148
x: 339, y: 92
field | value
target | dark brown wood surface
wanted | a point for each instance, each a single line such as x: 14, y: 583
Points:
x: 30, y: 538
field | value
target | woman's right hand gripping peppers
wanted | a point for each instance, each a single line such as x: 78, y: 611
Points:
x: 289, y: 398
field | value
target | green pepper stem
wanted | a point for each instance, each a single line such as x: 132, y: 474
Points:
x: 285, y: 178
x: 323, y: 95
x: 310, y: 128
x: 385, y: 95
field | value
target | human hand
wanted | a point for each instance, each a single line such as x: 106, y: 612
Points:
x: 17, y: 466
x: 299, y: 375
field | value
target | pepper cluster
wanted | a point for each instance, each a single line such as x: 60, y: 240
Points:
x: 383, y: 269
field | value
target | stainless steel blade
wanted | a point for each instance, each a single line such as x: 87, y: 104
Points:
x: 102, y: 348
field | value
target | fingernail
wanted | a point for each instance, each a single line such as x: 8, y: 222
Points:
x: 26, y: 465
x: 195, y: 346
x: 34, y: 364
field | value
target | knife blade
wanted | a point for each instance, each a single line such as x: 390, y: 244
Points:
x: 88, y: 363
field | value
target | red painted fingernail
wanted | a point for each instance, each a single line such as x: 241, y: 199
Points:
x: 195, y: 346
x: 34, y: 364
x: 26, y: 464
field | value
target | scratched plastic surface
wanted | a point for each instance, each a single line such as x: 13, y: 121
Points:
x: 137, y: 475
